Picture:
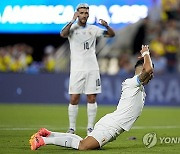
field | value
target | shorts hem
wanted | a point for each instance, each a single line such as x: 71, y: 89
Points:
x: 88, y: 93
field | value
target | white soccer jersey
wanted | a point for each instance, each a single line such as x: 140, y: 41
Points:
x: 130, y: 105
x: 82, y: 45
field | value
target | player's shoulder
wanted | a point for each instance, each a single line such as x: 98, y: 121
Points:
x: 92, y: 26
x: 74, y: 26
x: 131, y: 80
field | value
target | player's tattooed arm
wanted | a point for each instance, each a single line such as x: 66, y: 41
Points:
x: 145, y: 76
x: 147, y: 72
x: 65, y: 31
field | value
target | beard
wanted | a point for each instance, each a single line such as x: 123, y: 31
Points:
x: 83, y: 21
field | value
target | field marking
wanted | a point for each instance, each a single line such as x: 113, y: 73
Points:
x: 82, y: 128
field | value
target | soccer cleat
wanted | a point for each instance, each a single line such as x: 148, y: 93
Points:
x: 36, y: 142
x: 71, y: 131
x: 34, y: 135
x: 43, y: 132
x: 89, y: 130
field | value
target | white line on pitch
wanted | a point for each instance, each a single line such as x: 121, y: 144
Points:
x: 80, y: 128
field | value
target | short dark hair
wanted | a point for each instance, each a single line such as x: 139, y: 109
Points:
x: 139, y: 63
x: 82, y: 5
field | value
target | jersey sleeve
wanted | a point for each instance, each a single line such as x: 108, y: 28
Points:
x: 99, y: 31
x: 71, y: 30
x: 134, y: 82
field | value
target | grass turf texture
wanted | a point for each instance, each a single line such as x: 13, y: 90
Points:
x: 19, y: 122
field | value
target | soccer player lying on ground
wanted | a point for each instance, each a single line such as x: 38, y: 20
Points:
x: 111, y: 125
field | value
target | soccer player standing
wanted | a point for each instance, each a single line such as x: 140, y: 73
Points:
x: 84, y: 72
x: 109, y: 127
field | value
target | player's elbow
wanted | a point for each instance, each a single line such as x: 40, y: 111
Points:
x: 112, y: 34
x: 109, y: 33
x: 149, y: 70
x: 62, y: 35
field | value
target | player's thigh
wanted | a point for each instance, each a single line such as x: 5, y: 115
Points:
x: 93, y: 83
x: 105, y: 130
x: 77, y: 82
x: 101, y: 134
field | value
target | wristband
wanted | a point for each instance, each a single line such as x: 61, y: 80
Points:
x: 72, y: 21
x: 107, y: 26
x: 145, y: 53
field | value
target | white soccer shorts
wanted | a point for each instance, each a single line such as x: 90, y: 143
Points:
x: 84, y: 82
x: 105, y: 131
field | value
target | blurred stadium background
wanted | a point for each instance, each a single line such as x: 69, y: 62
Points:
x: 34, y: 59
x: 34, y: 69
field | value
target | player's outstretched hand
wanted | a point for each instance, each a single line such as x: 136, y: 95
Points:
x: 144, y: 48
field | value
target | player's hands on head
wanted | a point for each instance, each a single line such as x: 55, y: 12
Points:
x: 103, y: 22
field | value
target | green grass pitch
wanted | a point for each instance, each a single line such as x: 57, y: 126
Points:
x: 19, y: 122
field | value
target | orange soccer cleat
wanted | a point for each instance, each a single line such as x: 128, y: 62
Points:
x: 36, y: 142
x: 43, y: 132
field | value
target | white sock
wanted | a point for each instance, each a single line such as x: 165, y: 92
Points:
x: 91, y: 112
x: 63, y: 139
x: 72, y: 111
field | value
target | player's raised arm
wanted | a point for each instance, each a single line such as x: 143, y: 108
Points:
x: 147, y: 71
x: 110, y: 32
x: 65, y: 31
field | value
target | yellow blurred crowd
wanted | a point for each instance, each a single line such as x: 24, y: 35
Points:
x: 15, y: 58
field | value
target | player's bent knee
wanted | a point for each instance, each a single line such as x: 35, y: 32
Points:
x: 83, y: 146
x: 74, y: 99
x: 91, y: 98
x: 88, y: 144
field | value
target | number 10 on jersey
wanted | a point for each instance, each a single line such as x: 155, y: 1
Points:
x: 86, y: 46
